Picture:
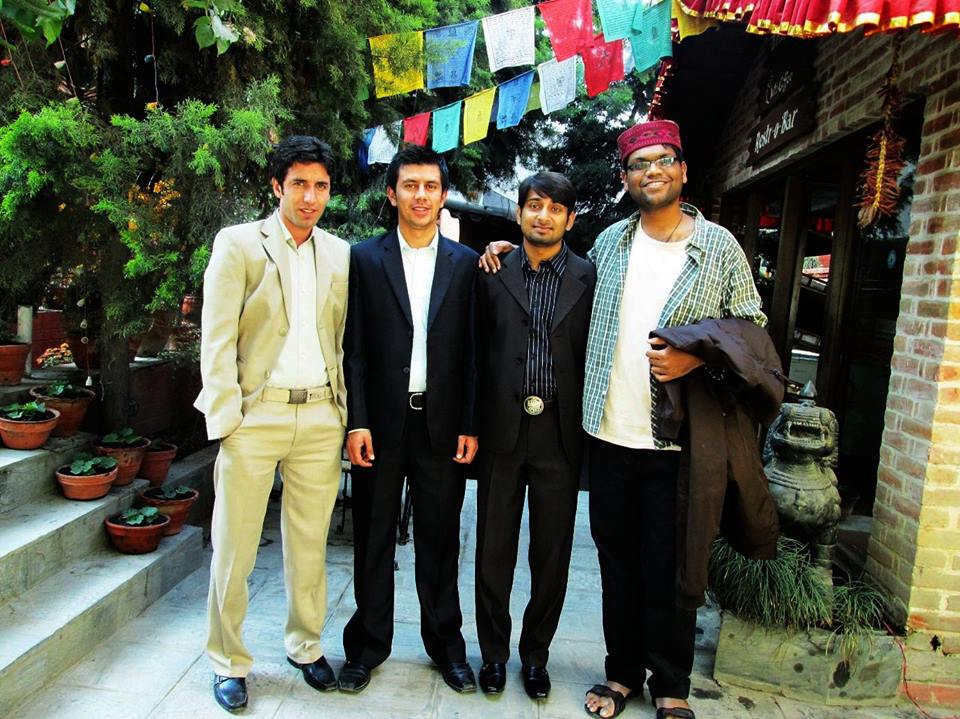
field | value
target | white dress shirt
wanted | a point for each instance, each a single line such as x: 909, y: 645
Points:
x: 418, y: 268
x: 300, y: 364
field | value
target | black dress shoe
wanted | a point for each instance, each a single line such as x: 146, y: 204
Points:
x: 493, y: 677
x: 230, y: 692
x: 317, y: 674
x: 536, y: 682
x: 354, y: 677
x: 459, y: 677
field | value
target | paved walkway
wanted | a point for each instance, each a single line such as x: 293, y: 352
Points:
x: 155, y: 666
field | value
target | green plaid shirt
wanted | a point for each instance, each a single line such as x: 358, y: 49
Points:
x: 715, y: 282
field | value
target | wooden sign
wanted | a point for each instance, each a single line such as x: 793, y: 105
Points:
x: 782, y: 124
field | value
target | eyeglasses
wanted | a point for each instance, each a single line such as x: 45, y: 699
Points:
x: 661, y: 162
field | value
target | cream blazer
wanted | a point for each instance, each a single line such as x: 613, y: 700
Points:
x: 246, y: 316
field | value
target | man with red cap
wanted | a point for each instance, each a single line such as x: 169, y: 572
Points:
x: 664, y: 266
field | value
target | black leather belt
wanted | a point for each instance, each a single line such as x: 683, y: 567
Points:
x: 417, y: 400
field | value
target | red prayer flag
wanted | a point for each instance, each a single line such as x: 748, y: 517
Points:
x: 415, y: 129
x: 602, y: 64
x: 570, y: 25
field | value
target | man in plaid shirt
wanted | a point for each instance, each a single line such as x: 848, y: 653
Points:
x: 664, y: 266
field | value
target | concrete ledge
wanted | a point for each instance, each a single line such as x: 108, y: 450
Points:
x: 53, y: 625
x: 806, y: 665
x: 39, y: 538
x: 26, y: 475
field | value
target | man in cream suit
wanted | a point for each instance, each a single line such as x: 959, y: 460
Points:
x: 271, y: 358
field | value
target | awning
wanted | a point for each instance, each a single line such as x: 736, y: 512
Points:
x: 809, y: 18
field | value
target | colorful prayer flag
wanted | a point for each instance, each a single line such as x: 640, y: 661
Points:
x: 397, y: 63
x: 509, y: 38
x: 569, y: 24
x: 688, y: 25
x: 602, y: 64
x: 512, y: 97
x: 415, y: 129
x: 650, y: 40
x: 446, y: 127
x: 558, y: 84
x: 450, y: 54
x: 383, y: 145
x: 616, y: 17
x: 363, y: 152
x: 476, y: 115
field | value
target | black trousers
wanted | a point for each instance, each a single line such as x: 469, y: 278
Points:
x: 633, y: 522
x: 437, y: 484
x: 538, y: 468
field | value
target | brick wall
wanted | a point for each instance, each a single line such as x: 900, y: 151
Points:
x: 914, y: 550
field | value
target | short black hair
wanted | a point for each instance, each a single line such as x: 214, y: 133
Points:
x: 676, y: 151
x: 549, y: 184
x: 299, y: 148
x: 417, y: 155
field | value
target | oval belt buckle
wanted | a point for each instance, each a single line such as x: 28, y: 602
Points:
x: 533, y: 405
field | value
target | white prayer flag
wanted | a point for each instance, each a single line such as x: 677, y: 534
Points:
x: 558, y: 84
x: 382, y: 148
x: 509, y: 38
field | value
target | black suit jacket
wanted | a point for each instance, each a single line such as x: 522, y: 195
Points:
x: 378, y: 341
x: 503, y: 329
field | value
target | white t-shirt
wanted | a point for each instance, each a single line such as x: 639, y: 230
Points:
x: 652, y: 271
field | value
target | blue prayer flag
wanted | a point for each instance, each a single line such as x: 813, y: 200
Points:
x: 362, y: 152
x: 446, y: 127
x: 449, y: 53
x: 512, y: 99
x: 651, y: 40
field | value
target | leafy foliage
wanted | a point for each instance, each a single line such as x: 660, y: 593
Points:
x: 178, y: 492
x: 125, y: 437
x: 63, y: 390
x: 26, y: 412
x: 139, y: 517
x: 87, y: 465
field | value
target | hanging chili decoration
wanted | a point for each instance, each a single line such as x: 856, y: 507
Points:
x: 880, y: 179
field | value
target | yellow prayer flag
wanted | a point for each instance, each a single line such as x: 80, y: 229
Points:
x: 476, y: 115
x: 689, y: 25
x: 397, y: 63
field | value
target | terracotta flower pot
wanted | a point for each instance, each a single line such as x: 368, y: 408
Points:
x: 135, y: 540
x: 90, y: 486
x: 12, y: 363
x: 176, y: 509
x: 17, y: 434
x: 128, y: 459
x: 156, y: 462
x: 72, y: 410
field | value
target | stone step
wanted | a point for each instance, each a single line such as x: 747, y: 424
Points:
x: 54, y: 624
x: 39, y: 538
x: 27, y: 475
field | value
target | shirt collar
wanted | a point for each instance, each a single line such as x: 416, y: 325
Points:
x: 695, y: 239
x: 405, y: 246
x: 288, y: 238
x: 555, y: 264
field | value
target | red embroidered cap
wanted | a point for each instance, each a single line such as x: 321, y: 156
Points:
x: 657, y: 132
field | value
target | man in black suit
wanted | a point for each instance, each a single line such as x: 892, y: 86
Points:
x: 410, y: 365
x: 533, y: 318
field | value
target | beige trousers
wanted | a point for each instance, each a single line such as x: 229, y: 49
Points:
x: 306, y: 440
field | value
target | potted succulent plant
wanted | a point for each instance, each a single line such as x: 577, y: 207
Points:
x: 136, y: 531
x: 70, y: 401
x: 175, y: 502
x: 87, y: 476
x: 156, y: 462
x: 26, y: 425
x: 13, y: 357
x: 128, y: 448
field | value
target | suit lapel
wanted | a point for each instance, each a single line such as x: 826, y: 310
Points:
x: 571, y: 287
x: 511, y: 275
x: 324, y: 272
x: 393, y: 267
x: 442, y: 274
x: 276, y: 248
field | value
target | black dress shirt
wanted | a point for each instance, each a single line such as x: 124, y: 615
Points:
x: 542, y: 288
